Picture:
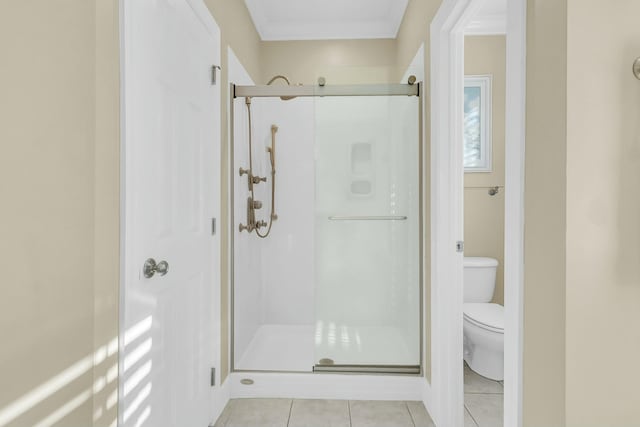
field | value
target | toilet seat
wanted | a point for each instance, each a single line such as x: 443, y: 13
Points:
x: 485, y: 315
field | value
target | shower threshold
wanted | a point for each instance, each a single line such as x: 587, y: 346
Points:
x: 368, y: 369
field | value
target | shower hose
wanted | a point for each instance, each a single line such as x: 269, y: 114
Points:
x: 271, y: 150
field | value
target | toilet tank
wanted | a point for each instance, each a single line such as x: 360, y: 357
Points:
x: 479, y: 278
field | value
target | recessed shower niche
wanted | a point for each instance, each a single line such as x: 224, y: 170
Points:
x: 362, y: 169
x: 335, y: 283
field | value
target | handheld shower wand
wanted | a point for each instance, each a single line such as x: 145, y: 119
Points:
x: 272, y: 157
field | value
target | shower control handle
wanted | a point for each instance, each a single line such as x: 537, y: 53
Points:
x: 258, y: 179
x: 256, y: 204
x: 244, y: 171
x: 261, y: 224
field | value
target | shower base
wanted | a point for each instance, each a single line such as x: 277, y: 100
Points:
x: 297, y: 348
x: 364, y: 345
x: 280, y: 348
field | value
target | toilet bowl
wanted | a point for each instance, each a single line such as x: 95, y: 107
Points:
x: 483, y: 334
x: 483, y: 321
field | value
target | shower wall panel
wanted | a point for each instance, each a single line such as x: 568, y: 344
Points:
x: 353, y: 179
x: 288, y: 252
x: 273, y: 277
x: 247, y: 251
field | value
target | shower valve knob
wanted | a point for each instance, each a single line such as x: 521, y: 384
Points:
x: 256, y: 204
x: 244, y: 171
x: 261, y: 224
x: 258, y: 179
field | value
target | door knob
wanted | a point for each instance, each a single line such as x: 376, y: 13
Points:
x: 150, y: 268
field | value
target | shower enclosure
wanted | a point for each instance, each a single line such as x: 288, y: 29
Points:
x: 336, y: 284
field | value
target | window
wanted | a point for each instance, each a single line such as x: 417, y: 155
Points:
x: 477, y: 124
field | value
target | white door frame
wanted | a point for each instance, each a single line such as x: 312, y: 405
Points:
x: 447, y: 181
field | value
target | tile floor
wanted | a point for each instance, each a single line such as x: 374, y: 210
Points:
x: 482, y: 408
x: 482, y: 400
x: 323, y: 413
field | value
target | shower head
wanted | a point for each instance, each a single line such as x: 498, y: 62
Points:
x: 274, y: 78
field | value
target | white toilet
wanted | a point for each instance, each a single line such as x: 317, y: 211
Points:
x: 483, y: 323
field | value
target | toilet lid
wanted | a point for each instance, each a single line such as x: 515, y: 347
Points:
x: 489, y: 316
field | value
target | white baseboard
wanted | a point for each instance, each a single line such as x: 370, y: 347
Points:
x: 326, y: 386
x: 220, y: 398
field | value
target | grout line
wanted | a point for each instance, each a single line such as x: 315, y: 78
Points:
x: 229, y: 407
x: 349, y: 406
x: 410, y: 414
x: 471, y: 415
x: 290, y: 410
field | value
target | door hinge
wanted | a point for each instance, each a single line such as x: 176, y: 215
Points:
x: 213, y: 226
x: 459, y: 246
x: 213, y: 377
x: 214, y: 73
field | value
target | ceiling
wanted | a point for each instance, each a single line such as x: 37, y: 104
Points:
x: 326, y: 19
x: 352, y: 19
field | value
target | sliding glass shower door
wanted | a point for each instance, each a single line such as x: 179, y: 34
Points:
x: 367, y: 234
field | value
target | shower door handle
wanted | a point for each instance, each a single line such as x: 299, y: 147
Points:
x: 150, y: 268
x: 368, y: 218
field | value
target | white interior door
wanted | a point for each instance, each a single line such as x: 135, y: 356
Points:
x: 169, y: 342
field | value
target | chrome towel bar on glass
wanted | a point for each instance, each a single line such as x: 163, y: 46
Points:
x: 367, y: 218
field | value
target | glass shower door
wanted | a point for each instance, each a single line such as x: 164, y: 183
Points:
x: 367, y: 234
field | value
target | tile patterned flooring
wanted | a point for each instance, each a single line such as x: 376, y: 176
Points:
x: 482, y: 400
x: 323, y: 413
x: 482, y: 408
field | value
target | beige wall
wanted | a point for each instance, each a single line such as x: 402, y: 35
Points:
x: 484, y: 214
x: 545, y: 216
x: 603, y: 214
x: 237, y: 31
x: 59, y: 182
x: 339, y: 61
x: 581, y: 285
x: 59, y: 187
x: 47, y: 168
x: 106, y: 207
x: 413, y: 32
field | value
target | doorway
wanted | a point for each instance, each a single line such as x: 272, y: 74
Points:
x: 447, y: 187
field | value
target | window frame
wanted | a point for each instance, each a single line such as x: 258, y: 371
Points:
x: 484, y: 82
